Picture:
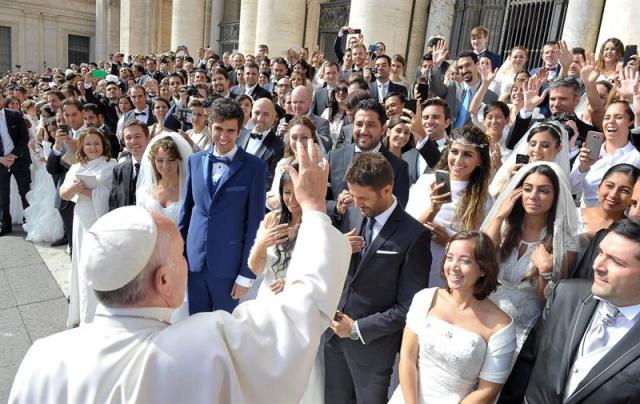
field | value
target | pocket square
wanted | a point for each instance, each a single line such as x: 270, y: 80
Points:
x: 386, y: 252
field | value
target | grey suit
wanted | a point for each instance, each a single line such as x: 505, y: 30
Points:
x: 320, y: 100
x: 323, y: 130
x: 542, y: 370
x: 345, y: 136
x: 453, y: 93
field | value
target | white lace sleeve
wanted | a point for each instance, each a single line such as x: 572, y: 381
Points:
x: 499, y: 355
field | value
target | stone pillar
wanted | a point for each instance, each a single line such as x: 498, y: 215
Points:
x: 582, y: 23
x: 280, y: 24
x: 134, y: 26
x: 416, y: 39
x: 102, y: 30
x: 383, y: 20
x: 217, y: 15
x: 33, y: 55
x: 440, y: 19
x: 248, y: 25
x: 620, y: 20
x: 313, y: 24
x: 187, y: 24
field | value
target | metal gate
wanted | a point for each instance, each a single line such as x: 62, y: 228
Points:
x: 229, y: 34
x: 472, y: 13
x: 333, y: 16
x: 531, y: 24
x: 528, y: 23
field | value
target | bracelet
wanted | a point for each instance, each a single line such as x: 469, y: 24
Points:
x: 546, y: 276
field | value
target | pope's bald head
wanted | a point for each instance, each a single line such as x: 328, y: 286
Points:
x: 263, y: 114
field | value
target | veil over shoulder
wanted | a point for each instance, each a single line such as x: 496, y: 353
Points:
x: 562, y: 159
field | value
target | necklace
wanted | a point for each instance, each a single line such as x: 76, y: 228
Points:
x: 132, y: 316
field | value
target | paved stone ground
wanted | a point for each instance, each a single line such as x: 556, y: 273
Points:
x: 32, y: 302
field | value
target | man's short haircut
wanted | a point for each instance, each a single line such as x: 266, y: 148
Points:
x: 139, y: 69
x: 263, y: 46
x: 370, y: 170
x: 607, y: 84
x: 224, y: 109
x: 20, y: 89
x: 89, y: 107
x: 111, y: 83
x: 578, y: 51
x: 362, y: 83
x: 427, y: 57
x: 372, y: 105
x: 71, y: 101
x: 566, y: 82
x: 385, y: 57
x: 57, y: 93
x: 358, y: 45
x: 195, y: 103
x: 550, y: 43
x: 629, y: 230
x: 222, y: 71
x: 468, y: 54
x: 328, y: 64
x: 203, y: 72
x: 251, y: 65
x: 504, y: 108
x: 280, y: 60
x: 480, y: 31
x: 138, y: 87
x: 176, y: 75
x: 438, y: 102
x: 433, y: 41
x: 352, y: 100
x: 135, y: 122
x: 400, y: 96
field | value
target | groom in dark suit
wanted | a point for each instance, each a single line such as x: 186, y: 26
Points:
x: 390, y: 263
x: 15, y: 160
x: 224, y: 202
x: 586, y: 348
x: 125, y: 173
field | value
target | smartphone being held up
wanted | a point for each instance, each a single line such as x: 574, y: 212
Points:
x: 522, y: 159
x: 594, y: 142
x: 630, y: 51
x: 442, y: 177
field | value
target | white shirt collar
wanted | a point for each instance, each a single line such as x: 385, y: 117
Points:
x: 382, y: 218
x: 144, y: 111
x: 263, y: 133
x: 375, y: 149
x: 229, y: 155
x: 630, y: 312
x: 250, y: 89
x: 383, y: 83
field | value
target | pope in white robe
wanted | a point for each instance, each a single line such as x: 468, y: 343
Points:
x: 262, y: 353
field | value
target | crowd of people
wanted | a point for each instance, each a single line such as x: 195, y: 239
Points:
x: 491, y: 211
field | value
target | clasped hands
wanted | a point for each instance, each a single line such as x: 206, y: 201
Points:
x: 341, y: 325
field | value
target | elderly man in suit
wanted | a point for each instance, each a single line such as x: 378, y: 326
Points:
x: 224, y: 202
x: 368, y: 129
x: 390, y: 263
x: 458, y: 95
x: 131, y: 352
x: 15, y: 160
x: 382, y: 86
x: 585, y: 348
x: 125, y: 173
x: 262, y: 141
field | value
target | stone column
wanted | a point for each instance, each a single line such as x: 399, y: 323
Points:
x: 582, y: 23
x: 187, y: 24
x: 620, y: 20
x: 383, y: 20
x: 247, y: 35
x: 217, y: 15
x: 134, y: 26
x: 280, y: 24
x: 313, y: 24
x: 441, y: 19
x: 417, y: 38
x: 102, y: 30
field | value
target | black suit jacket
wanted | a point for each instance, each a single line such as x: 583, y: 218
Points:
x: 58, y: 170
x: 108, y: 109
x: 429, y: 152
x: 552, y: 347
x: 113, y: 141
x: 339, y: 161
x: 258, y: 92
x: 19, y: 134
x: 131, y: 115
x: 270, y: 151
x: 393, y: 88
x: 381, y: 284
x: 123, y: 190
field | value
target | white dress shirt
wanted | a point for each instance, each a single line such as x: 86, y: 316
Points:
x: 616, y: 330
x: 253, y: 145
x: 143, y: 116
x: 383, y: 90
x: 5, y: 137
x: 249, y: 90
x: 375, y: 149
x: 588, y: 182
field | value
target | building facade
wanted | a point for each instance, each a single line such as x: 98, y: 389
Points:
x: 59, y: 32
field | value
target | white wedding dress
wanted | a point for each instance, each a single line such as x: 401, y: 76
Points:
x: 451, y: 359
x: 43, y: 222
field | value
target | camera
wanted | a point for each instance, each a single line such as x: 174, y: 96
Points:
x: 192, y: 91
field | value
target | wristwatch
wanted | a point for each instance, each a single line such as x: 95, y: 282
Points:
x: 354, y: 332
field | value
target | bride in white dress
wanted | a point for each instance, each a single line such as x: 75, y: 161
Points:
x: 533, y: 223
x: 160, y: 182
x: 457, y: 344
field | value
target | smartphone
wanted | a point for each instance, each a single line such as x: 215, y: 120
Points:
x: 594, y: 142
x: 357, y: 31
x: 629, y: 52
x: 522, y: 159
x: 64, y: 127
x: 423, y: 91
x: 288, y: 117
x: 373, y: 48
x: 442, y: 177
x: 99, y: 74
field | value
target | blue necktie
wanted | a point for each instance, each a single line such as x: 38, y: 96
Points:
x: 222, y: 160
x: 463, y: 113
x: 368, y: 234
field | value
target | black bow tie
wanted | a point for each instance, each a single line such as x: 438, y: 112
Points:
x: 139, y: 113
x: 256, y: 136
x: 222, y: 160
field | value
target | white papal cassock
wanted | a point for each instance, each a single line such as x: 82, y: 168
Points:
x: 262, y: 353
